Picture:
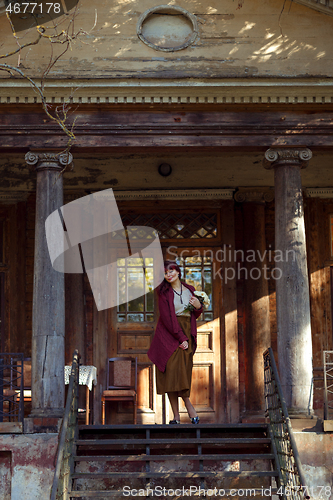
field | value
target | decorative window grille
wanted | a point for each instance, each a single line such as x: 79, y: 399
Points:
x: 175, y: 225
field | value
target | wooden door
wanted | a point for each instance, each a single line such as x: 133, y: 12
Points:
x: 134, y: 323
x: 199, y: 268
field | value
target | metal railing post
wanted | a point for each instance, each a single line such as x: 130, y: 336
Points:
x: 64, y: 464
x: 291, y: 475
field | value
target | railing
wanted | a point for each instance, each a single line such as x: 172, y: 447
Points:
x: 328, y: 385
x: 65, y: 463
x: 291, y: 481
x: 11, y: 388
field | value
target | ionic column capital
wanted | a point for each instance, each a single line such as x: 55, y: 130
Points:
x: 254, y: 196
x: 287, y: 156
x: 48, y: 160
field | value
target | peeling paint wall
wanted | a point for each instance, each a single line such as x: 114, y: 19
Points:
x: 316, y: 454
x: 132, y: 172
x: 252, y: 40
x: 27, y: 466
x: 5, y: 474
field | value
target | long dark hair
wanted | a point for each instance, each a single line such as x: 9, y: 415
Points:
x: 164, y: 286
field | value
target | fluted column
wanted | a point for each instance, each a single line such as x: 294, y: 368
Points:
x: 48, y: 318
x: 292, y: 284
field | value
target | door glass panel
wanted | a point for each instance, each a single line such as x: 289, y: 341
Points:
x: 133, y: 278
x: 198, y: 271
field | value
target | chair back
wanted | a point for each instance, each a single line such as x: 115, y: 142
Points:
x: 122, y: 373
x: 27, y: 373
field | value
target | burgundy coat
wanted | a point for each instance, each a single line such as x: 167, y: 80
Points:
x: 168, y: 333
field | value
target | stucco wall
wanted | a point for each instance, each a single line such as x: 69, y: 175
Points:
x: 232, y: 42
x: 27, y: 466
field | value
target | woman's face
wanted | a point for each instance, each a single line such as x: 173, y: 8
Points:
x: 171, y: 275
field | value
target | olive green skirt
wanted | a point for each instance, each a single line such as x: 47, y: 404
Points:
x: 178, y: 371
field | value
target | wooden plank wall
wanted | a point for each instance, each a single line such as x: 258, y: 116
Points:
x: 241, y: 289
x: 241, y: 319
x: 317, y: 221
x: 229, y: 331
x: 317, y: 224
x: 29, y: 271
x: 14, y: 269
x: 270, y: 245
x: 17, y: 236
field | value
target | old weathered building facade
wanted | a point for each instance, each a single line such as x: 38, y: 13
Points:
x: 238, y: 101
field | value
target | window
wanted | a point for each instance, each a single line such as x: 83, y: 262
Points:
x: 132, y: 274
x: 198, y: 272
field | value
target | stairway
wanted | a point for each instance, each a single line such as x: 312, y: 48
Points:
x: 126, y: 461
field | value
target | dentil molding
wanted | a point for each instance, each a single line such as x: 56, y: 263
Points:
x: 186, y: 91
x: 319, y: 192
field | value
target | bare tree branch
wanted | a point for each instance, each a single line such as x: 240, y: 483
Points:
x: 66, y: 37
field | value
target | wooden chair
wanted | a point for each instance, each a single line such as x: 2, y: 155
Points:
x: 121, y: 383
x: 27, y: 379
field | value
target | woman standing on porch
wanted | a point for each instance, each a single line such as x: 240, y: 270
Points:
x: 175, y: 340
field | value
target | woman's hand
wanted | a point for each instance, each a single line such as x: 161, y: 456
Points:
x: 184, y: 345
x: 195, y: 302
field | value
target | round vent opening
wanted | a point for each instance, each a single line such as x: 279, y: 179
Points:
x: 167, y: 28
